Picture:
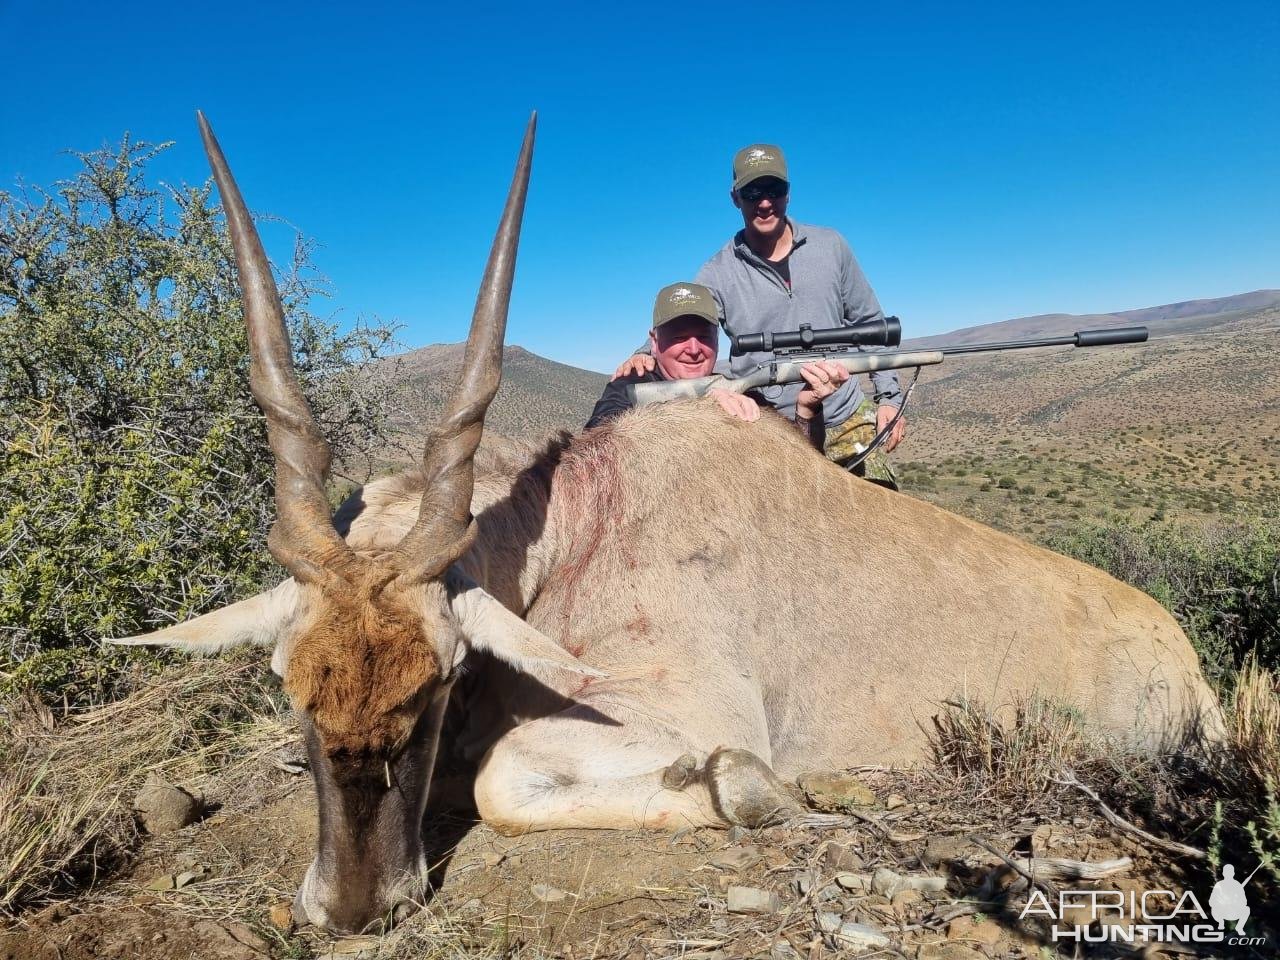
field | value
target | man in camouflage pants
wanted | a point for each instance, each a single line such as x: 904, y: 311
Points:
x: 846, y: 440
x: 776, y: 274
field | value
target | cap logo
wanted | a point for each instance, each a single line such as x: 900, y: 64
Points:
x: 757, y: 156
x: 682, y: 295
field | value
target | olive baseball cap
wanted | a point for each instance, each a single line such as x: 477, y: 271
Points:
x: 684, y: 300
x: 756, y: 161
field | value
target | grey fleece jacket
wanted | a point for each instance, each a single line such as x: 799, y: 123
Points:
x: 828, y: 289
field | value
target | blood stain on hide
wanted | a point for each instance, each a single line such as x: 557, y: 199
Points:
x: 639, y: 627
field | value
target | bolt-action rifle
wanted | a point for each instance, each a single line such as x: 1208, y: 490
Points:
x: 847, y: 346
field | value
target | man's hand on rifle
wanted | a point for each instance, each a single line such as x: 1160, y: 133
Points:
x: 821, y: 379
x: 637, y: 364
x: 884, y: 413
x: 736, y: 405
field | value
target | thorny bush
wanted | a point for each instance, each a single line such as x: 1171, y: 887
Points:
x: 135, y: 477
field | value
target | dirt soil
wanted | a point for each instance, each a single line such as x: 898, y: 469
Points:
x: 575, y: 894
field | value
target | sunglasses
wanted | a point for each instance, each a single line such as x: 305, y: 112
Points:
x: 754, y: 192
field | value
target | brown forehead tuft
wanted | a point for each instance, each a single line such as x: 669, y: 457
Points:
x: 357, y: 668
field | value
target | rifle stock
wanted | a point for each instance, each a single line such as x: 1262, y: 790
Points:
x: 768, y: 374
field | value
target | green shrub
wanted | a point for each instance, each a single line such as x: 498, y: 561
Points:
x: 135, y: 478
x: 1222, y: 581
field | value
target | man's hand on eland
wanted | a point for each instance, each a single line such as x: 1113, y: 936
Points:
x: 634, y: 365
x: 736, y: 405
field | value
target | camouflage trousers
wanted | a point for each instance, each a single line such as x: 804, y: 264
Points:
x: 846, y: 440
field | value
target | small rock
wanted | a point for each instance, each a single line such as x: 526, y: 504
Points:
x: 894, y: 802
x: 165, y: 881
x: 185, y: 878
x: 164, y: 808
x: 737, y: 858
x: 841, y: 859
x: 782, y: 950
x: 1040, y: 840
x: 810, y: 884
x: 548, y: 894
x: 846, y: 933
x: 887, y: 883
x: 493, y: 859
x: 474, y: 905
x: 281, y: 916
x: 857, y: 882
x: 737, y: 834
x: 835, y: 792
x: 753, y: 900
x: 944, y: 950
x: 514, y: 861
x: 986, y: 932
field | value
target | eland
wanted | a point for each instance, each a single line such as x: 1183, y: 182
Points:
x: 661, y: 619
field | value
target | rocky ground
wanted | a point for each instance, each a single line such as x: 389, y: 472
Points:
x: 901, y: 864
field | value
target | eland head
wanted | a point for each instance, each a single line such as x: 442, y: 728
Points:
x: 368, y: 643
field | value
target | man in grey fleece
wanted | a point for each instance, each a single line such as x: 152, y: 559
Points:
x: 776, y: 274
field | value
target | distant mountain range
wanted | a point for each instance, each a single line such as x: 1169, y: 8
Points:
x: 539, y: 396
x: 1189, y: 316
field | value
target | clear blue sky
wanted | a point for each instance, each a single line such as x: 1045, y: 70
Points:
x: 985, y: 161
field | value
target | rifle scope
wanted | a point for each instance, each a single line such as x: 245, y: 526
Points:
x: 878, y: 333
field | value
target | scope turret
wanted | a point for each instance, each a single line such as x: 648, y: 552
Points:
x: 877, y: 333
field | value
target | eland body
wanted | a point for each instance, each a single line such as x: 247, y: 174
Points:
x: 667, y: 634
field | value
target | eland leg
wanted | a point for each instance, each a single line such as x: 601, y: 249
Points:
x: 566, y: 771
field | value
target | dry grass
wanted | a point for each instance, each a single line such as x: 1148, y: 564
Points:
x: 1013, y: 754
x: 1218, y: 795
x: 1254, y: 726
x: 65, y: 788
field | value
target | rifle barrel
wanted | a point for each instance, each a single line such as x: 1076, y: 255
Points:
x: 1081, y: 338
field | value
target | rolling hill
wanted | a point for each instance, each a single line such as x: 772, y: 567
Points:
x: 1187, y: 424
x: 537, y: 396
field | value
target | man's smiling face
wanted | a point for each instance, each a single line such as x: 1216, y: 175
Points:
x: 685, y: 347
x: 763, y: 203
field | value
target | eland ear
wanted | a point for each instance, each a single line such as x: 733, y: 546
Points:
x: 489, y: 626
x: 259, y: 621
